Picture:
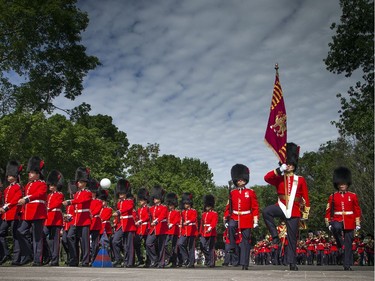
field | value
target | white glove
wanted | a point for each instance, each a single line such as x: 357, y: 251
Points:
x: 209, y: 229
x: 283, y: 168
x: 226, y: 225
x: 255, y: 225
x: 330, y: 227
x: 358, y: 227
x: 170, y: 226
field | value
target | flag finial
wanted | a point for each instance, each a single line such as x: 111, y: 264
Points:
x: 277, y: 69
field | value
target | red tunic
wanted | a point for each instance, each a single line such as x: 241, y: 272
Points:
x: 159, y: 215
x: 346, y: 209
x: 36, y: 193
x: 54, y: 212
x: 68, y: 219
x: 96, y: 206
x: 105, y: 215
x: 301, y: 193
x: 190, y: 222
x: 143, y: 219
x: 82, y: 200
x: 125, y: 210
x: 245, y: 207
x: 173, y: 221
x: 208, y: 224
x: 12, y: 194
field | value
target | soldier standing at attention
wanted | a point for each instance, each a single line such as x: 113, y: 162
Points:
x: 80, y: 230
x: 34, y: 212
x: 343, y: 213
x: 242, y: 212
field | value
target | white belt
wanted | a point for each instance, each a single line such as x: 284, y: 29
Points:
x: 344, y: 213
x: 207, y: 224
x: 191, y: 223
x: 55, y: 210
x: 164, y: 220
x: 126, y: 217
x: 241, y: 212
x: 82, y: 210
x: 144, y: 222
x: 96, y: 216
x: 105, y: 221
x: 38, y: 201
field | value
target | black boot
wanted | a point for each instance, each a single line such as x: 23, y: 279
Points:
x: 293, y: 267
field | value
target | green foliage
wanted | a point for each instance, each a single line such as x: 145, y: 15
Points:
x: 353, y: 43
x: 145, y: 168
x: 40, y: 54
x: 64, y: 145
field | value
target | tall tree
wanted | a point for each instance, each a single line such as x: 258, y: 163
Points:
x: 40, y: 53
x: 352, y: 49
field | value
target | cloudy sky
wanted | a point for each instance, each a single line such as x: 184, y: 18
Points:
x: 196, y: 76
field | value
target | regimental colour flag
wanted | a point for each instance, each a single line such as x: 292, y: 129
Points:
x: 276, y: 132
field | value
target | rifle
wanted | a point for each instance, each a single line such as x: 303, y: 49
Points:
x: 230, y: 184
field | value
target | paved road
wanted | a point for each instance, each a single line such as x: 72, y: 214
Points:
x: 258, y: 273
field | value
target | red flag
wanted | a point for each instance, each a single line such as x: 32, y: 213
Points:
x: 276, y: 130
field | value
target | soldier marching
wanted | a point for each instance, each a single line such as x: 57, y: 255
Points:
x: 158, y: 229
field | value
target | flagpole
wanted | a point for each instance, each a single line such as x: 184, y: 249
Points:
x: 285, y: 186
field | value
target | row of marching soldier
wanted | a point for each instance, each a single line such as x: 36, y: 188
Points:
x: 168, y: 234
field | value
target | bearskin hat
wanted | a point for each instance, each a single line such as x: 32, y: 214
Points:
x: 55, y: 178
x: 292, y: 154
x: 72, y: 187
x: 171, y: 199
x: 209, y: 201
x: 143, y: 194
x: 36, y: 164
x: 240, y: 172
x: 93, y: 185
x: 13, y: 169
x: 103, y: 194
x: 157, y: 192
x: 123, y: 187
x: 82, y: 174
x: 342, y: 175
x: 186, y: 198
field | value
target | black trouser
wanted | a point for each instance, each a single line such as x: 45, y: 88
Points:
x: 208, y: 249
x: 186, y: 246
x: 337, y: 231
x: 155, y: 248
x: 52, y: 243
x: 95, y: 237
x: 274, y: 211
x: 124, y: 241
x: 23, y: 232
x: 138, y: 247
x: 171, y: 248
x: 231, y: 258
x: 81, y: 234
x: 244, y: 244
x: 4, y: 227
